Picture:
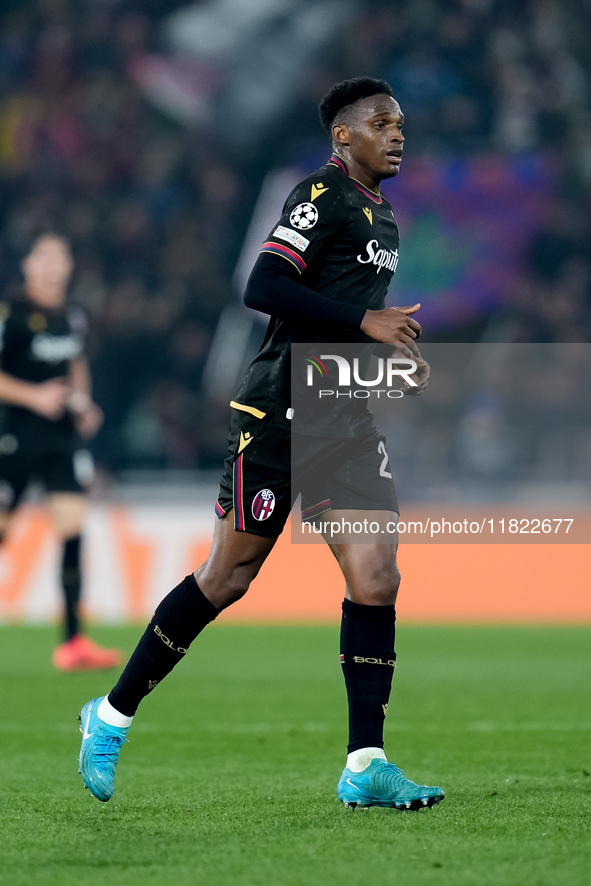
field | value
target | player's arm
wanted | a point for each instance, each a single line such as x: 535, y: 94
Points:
x: 273, y: 286
x: 303, y: 231
x: 273, y: 289
x: 46, y: 398
x: 88, y: 416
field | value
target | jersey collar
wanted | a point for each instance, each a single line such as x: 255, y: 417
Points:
x: 337, y: 160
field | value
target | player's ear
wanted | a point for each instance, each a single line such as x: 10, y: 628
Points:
x: 340, y: 134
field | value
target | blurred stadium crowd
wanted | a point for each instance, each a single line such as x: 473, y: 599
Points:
x: 157, y: 207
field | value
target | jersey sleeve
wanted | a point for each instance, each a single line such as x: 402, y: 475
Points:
x: 312, y: 216
x: 272, y: 289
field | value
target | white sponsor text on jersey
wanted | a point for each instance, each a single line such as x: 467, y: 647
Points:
x: 381, y: 258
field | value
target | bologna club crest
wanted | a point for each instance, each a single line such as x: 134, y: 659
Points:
x: 263, y: 504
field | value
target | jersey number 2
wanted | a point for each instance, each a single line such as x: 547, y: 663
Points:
x: 382, y: 451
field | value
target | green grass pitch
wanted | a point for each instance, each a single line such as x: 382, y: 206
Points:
x: 231, y: 772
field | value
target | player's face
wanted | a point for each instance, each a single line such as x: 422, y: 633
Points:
x: 374, y: 136
x: 47, y: 269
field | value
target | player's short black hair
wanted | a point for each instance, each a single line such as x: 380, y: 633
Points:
x: 346, y: 93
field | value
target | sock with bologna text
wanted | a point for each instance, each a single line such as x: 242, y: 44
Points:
x: 368, y: 660
x: 179, y: 618
x: 72, y: 584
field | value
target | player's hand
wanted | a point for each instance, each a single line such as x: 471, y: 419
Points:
x: 49, y: 398
x: 392, y: 325
x: 423, y: 371
x: 88, y: 416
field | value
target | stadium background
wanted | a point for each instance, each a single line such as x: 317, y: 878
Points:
x: 162, y: 136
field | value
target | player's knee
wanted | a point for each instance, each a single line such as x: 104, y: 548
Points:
x: 68, y: 529
x: 235, y: 587
x: 378, y: 584
x: 383, y: 593
x: 226, y: 584
x: 68, y: 513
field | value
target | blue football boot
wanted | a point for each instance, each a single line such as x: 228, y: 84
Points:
x: 99, y: 751
x: 384, y: 784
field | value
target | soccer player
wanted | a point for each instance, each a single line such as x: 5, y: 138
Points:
x: 322, y: 275
x: 45, y: 386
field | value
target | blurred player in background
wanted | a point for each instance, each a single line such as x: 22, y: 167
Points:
x: 322, y: 276
x: 46, y: 388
